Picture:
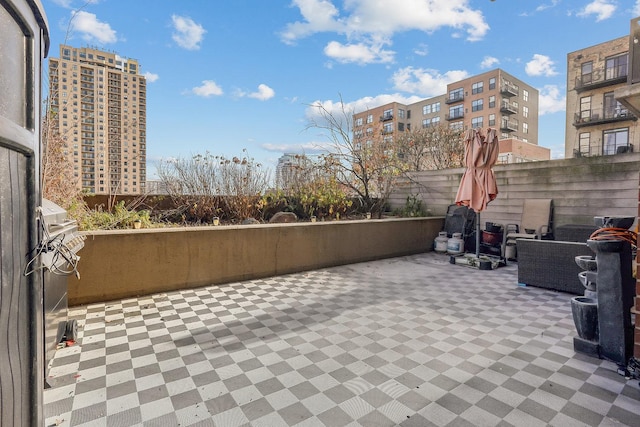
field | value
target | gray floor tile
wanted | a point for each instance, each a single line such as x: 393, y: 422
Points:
x: 409, y: 341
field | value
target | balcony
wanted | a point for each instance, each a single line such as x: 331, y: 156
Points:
x: 508, y: 108
x: 600, y: 78
x: 453, y: 98
x: 508, y: 125
x: 371, y: 343
x: 509, y: 90
x: 456, y: 115
x: 386, y: 117
x: 602, y: 116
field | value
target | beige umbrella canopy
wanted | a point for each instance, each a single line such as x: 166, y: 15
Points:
x: 478, y: 184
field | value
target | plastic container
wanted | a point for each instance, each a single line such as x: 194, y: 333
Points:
x: 440, y: 244
x: 455, y: 245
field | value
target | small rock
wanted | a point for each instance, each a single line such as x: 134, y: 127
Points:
x: 249, y: 221
x: 283, y: 217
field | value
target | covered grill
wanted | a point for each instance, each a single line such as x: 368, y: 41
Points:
x: 58, y: 253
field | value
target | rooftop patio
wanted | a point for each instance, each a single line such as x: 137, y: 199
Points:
x: 410, y: 341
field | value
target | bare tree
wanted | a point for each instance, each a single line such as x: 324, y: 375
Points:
x: 433, y: 147
x: 58, y: 182
x: 369, y: 166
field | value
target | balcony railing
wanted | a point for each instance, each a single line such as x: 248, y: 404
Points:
x: 508, y: 125
x: 509, y: 89
x: 386, y: 117
x: 453, y: 98
x: 600, y: 78
x: 602, y: 116
x: 455, y: 115
x: 508, y: 108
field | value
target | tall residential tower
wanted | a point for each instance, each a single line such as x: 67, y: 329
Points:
x: 99, y: 102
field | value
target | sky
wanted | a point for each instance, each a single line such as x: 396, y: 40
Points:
x: 239, y: 77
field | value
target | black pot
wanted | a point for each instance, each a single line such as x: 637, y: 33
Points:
x: 493, y: 228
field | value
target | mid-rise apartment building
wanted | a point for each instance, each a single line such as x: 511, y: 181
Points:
x: 494, y: 99
x: 98, y: 104
x: 597, y: 123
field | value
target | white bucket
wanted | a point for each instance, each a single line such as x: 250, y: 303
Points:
x: 440, y: 244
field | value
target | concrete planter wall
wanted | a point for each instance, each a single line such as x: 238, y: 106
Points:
x: 119, y: 264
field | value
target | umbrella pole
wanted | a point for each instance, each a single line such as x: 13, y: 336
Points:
x: 478, y: 235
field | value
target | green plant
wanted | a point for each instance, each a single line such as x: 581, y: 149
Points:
x: 99, y: 219
x: 412, y: 208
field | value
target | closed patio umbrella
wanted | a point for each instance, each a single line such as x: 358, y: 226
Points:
x: 478, y: 184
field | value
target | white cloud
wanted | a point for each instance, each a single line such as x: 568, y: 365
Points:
x: 489, y: 62
x: 187, y: 33
x: 151, y: 77
x: 423, y: 50
x: 636, y: 8
x: 365, y: 24
x: 301, y: 148
x: 544, y: 6
x: 360, y: 53
x: 551, y: 100
x: 207, y: 88
x: 264, y: 92
x: 362, y: 104
x: 91, y: 29
x: 540, y: 65
x: 425, y: 82
x: 602, y: 9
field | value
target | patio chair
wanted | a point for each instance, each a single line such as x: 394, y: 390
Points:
x: 536, y: 223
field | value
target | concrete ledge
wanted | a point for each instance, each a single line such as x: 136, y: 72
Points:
x: 128, y: 263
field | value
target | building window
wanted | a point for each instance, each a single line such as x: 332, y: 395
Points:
x: 456, y: 94
x: 477, y: 105
x: 584, y: 147
x: 585, y: 108
x: 525, y: 111
x: 426, y: 109
x: 370, y: 118
x: 435, y: 107
x: 457, y: 125
x: 400, y: 113
x: 435, y: 120
x: 525, y: 95
x: 613, y: 139
x: 586, y: 73
x: 401, y: 127
x: 426, y: 123
x: 476, y: 122
x: 525, y: 128
x: 388, y: 128
x: 456, y: 112
x: 492, y: 102
x: 492, y: 119
x: 616, y: 67
x: 359, y: 121
x: 477, y: 88
x: 613, y: 108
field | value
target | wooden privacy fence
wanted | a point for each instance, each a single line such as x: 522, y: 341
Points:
x: 581, y: 188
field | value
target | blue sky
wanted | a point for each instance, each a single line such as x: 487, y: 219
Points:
x: 223, y: 76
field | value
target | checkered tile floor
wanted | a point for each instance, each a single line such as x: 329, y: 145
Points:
x: 410, y: 341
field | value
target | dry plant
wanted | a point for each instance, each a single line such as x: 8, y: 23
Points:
x: 433, y: 147
x: 369, y: 166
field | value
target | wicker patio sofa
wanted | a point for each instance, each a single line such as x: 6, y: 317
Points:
x: 551, y: 264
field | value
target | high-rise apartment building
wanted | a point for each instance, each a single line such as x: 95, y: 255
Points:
x: 493, y: 99
x: 597, y: 123
x: 98, y: 101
